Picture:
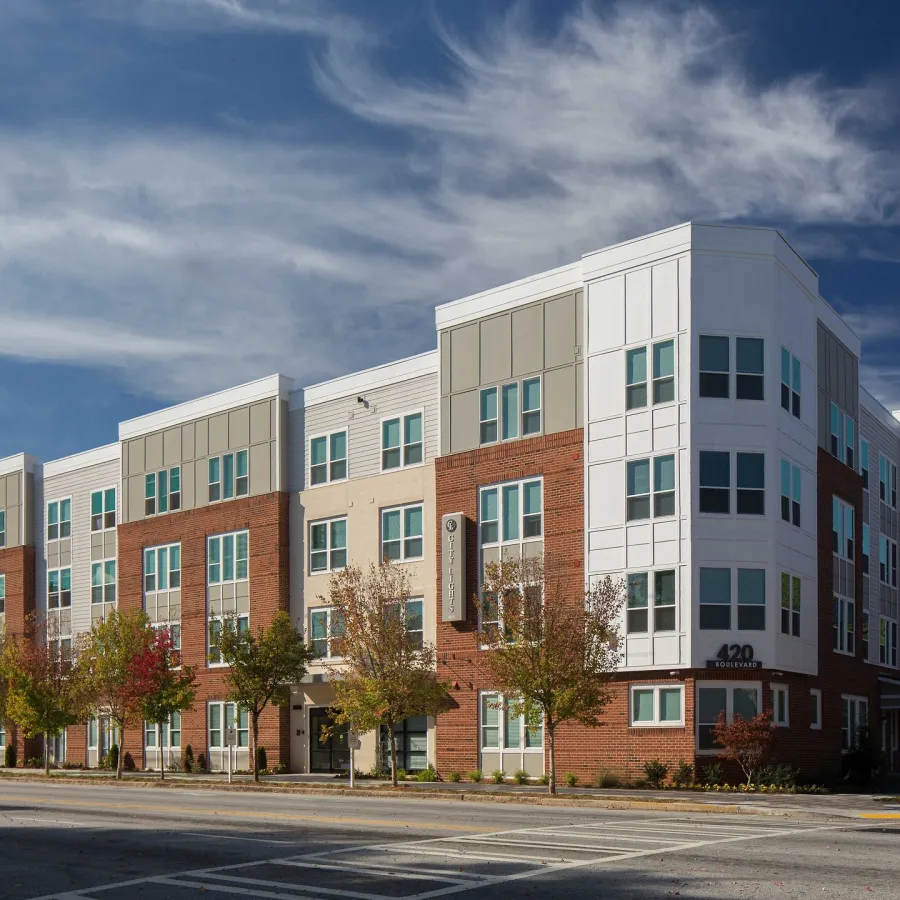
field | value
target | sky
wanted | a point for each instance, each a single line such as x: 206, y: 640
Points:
x: 197, y: 193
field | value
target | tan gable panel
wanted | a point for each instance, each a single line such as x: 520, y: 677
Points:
x: 201, y: 483
x: 260, y: 469
x: 187, y: 486
x: 239, y: 428
x: 218, y: 433
x: 259, y: 423
x: 172, y: 447
x: 187, y: 441
x: 201, y: 434
x: 135, y: 498
x: 136, y: 456
x: 464, y: 357
x: 153, y: 452
x: 528, y: 339
x: 496, y: 349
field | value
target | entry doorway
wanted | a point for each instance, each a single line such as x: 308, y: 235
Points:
x: 331, y: 754
x: 890, y: 739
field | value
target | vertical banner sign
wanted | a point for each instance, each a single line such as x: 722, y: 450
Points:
x: 453, y: 567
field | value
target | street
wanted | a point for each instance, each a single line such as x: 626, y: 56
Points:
x: 90, y: 842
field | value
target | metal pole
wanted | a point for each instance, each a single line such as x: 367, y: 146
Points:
x: 352, y: 765
x: 229, y: 763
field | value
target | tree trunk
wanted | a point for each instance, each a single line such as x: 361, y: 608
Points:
x: 121, y: 751
x: 392, y: 738
x: 551, y: 738
x: 255, y: 718
x: 47, y: 753
x: 162, y: 762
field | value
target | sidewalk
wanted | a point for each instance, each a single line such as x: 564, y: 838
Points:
x: 861, y: 805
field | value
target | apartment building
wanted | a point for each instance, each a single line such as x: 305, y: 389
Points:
x: 681, y: 412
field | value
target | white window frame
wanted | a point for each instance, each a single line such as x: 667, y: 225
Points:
x: 402, y: 446
x: 845, y: 625
x: 887, y: 641
x: 760, y: 376
x: 173, y: 498
x: 846, y: 532
x: 657, y: 721
x: 329, y: 462
x: 887, y: 481
x: 856, y: 703
x: 780, y: 702
x: 169, y: 570
x: 242, y: 620
x: 167, y: 730
x: 794, y: 477
x: 404, y: 537
x: 794, y: 608
x: 730, y: 687
x: 816, y: 695
x: 104, y: 513
x: 501, y: 747
x: 501, y: 420
x: 329, y: 549
x: 836, y: 444
x: 332, y: 631
x: 243, y: 731
x: 221, y: 484
x: 656, y: 494
x: 60, y: 522
x: 652, y: 605
x: 108, y: 589
x: 887, y: 560
x: 725, y: 372
x: 792, y: 385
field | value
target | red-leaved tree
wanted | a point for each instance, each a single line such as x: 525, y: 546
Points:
x: 746, y: 741
x: 156, y: 675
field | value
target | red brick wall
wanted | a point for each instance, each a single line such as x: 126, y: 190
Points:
x: 266, y: 518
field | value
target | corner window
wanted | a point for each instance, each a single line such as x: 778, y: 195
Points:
x: 887, y: 560
x: 401, y: 441
x: 638, y: 499
x: 103, y: 581
x: 790, y: 604
x: 843, y: 518
x: 328, y: 457
x: 780, y: 705
x: 790, y: 493
x: 815, y: 708
x: 326, y: 628
x: 854, y: 718
x: 790, y: 383
x: 751, y: 483
x: 103, y: 510
x: 328, y: 545
x: 715, y: 599
x: 887, y: 486
x: 738, y: 699
x: 751, y: 599
x: 715, y: 481
x: 715, y: 366
x: 750, y: 368
x: 59, y: 519
x: 162, y: 491
x: 229, y: 476
x: 402, y: 533
x: 844, y: 625
x: 657, y: 705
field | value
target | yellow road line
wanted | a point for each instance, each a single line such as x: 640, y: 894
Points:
x: 251, y: 814
x: 880, y: 816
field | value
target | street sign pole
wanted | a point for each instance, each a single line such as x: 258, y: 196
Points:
x: 354, y: 744
x: 230, y: 741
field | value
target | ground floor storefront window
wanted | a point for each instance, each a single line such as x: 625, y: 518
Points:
x: 854, y: 717
x: 411, y: 738
x: 507, y: 741
x: 731, y: 698
x: 169, y: 751
x: 220, y: 718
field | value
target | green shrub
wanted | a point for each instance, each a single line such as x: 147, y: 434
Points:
x: 607, y: 780
x: 199, y: 764
x: 427, y: 775
x: 656, y: 772
x: 782, y: 776
x: 520, y: 776
x: 401, y: 774
x: 544, y: 779
x: 261, y: 760
x: 684, y: 774
x: 9, y: 756
x: 112, y: 758
x: 187, y: 759
x: 571, y: 779
x: 34, y: 762
x: 713, y: 774
x: 498, y: 775
x: 476, y: 776
x: 454, y: 776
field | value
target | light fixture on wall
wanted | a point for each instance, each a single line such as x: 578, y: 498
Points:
x: 362, y: 402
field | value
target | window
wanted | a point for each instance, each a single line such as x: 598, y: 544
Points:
x: 887, y: 643
x: 713, y: 698
x: 411, y: 741
x: 509, y: 410
x: 664, y: 601
x: 103, y: 509
x: 59, y: 588
x: 328, y: 458
x: 59, y: 519
x: 751, y: 484
x: 664, y: 372
x: 325, y: 629
x: 2, y: 594
x: 103, y: 581
x: 2, y: 527
x: 844, y: 612
x: 751, y: 599
x: 401, y: 533
x: 815, y: 708
x: 715, y: 481
x: 401, y: 441
x: 866, y: 544
x: 519, y: 411
x: 636, y: 378
x: 842, y: 528
x: 715, y: 366
x: 636, y: 614
x: 850, y: 442
x: 864, y: 462
x: 488, y: 429
x: 639, y: 488
x: 502, y: 730
x: 887, y: 482
x: 162, y: 491
x: 843, y: 436
x: 865, y: 634
x: 162, y: 568
x: 328, y: 545
x: 790, y: 383
x: 415, y: 623
x: 660, y: 705
x: 170, y: 731
x: 715, y: 599
x: 531, y: 406
x: 790, y: 604
x: 780, y: 705
x: 854, y: 718
x: 228, y: 476
x: 227, y: 568
x: 228, y: 557
x: 790, y: 493
x: 750, y: 367
x: 223, y: 716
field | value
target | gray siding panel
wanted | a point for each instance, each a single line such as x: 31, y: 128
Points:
x: 559, y: 400
x: 496, y: 349
x: 528, y: 340
x: 464, y: 422
x: 560, y: 337
x: 464, y: 357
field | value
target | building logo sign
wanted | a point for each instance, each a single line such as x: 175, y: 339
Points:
x: 734, y: 656
x: 453, y: 568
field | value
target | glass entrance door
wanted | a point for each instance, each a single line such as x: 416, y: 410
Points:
x: 329, y: 754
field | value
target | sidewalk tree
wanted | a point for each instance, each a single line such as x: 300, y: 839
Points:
x: 261, y: 667
x: 551, y: 648
x: 44, y: 694
x: 386, y: 675
x: 106, y: 655
x: 163, y: 683
x: 745, y: 741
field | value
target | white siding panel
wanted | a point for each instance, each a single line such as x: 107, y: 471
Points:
x: 637, y: 306
x: 606, y: 377
x: 606, y: 440
x: 606, y: 494
x: 606, y: 314
x: 637, y: 434
x: 665, y: 298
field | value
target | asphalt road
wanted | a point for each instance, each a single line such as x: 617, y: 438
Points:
x: 91, y: 842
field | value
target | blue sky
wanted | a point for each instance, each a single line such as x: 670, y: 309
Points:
x: 195, y: 193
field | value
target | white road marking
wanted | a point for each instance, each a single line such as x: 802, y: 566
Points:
x: 230, y: 837
x: 363, y: 870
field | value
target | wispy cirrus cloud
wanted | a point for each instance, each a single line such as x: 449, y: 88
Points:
x: 233, y: 255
